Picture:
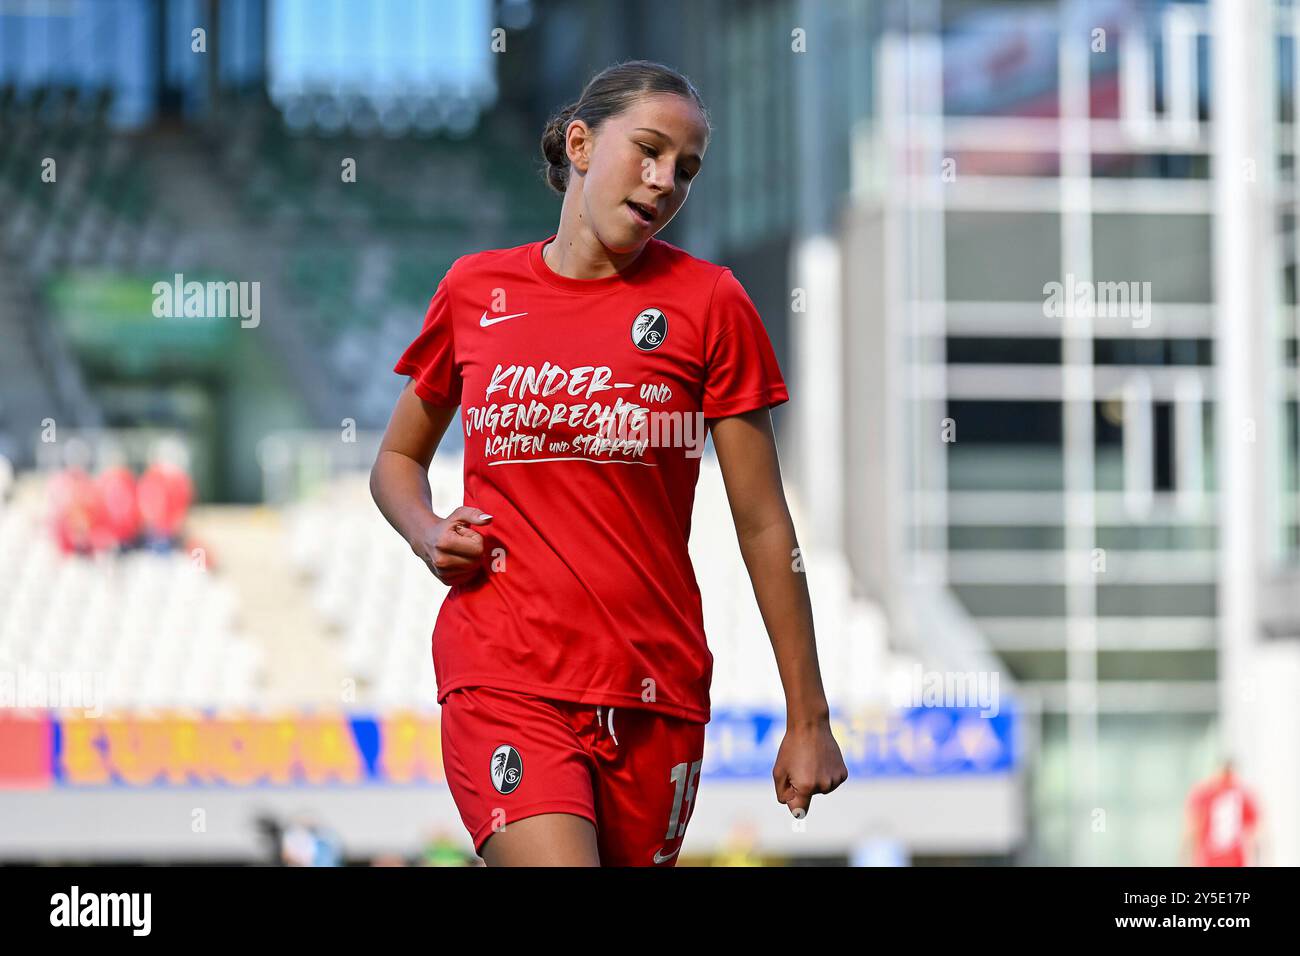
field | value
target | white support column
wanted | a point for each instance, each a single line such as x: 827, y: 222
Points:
x: 820, y: 339
x: 927, y: 298
x: 1243, y: 164
x: 1078, y: 431
x: 1180, y: 73
x: 814, y: 276
x: 892, y: 504
x: 1137, y: 98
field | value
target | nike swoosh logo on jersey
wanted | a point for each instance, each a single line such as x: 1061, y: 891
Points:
x: 664, y: 859
x: 484, y: 321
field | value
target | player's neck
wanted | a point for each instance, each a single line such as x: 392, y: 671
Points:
x: 576, y: 253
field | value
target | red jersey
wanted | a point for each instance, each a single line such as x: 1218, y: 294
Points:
x: 1223, y: 811
x: 582, y: 403
x: 81, y: 523
x: 164, y: 493
x: 117, y: 489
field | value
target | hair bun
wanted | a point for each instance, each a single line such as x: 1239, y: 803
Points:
x: 553, y: 148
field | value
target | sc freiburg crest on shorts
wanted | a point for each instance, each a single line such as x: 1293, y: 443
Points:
x: 507, y: 768
x: 649, y: 330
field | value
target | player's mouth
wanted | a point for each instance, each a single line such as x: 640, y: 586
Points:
x: 643, y: 213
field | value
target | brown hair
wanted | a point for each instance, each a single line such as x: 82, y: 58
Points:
x: 609, y: 93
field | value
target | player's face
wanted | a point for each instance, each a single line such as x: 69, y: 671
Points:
x: 646, y: 156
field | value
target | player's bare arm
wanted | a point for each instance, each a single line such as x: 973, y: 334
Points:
x: 809, y: 760
x: 399, y: 483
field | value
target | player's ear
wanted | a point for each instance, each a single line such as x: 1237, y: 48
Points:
x: 578, y: 144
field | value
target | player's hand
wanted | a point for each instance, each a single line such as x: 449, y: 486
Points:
x: 808, y: 762
x: 451, y: 548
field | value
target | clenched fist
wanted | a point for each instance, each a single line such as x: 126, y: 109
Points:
x: 451, y: 548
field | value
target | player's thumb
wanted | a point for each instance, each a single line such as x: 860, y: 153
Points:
x: 470, y: 515
x: 797, y: 804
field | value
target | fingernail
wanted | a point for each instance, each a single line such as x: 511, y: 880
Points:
x: 485, y: 516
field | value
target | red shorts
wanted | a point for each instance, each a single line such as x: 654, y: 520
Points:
x: 634, y: 773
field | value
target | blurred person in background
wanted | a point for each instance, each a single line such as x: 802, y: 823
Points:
x: 117, y: 491
x: 297, y: 845
x: 1221, y: 822
x: 165, y: 492
x: 329, y: 847
x: 80, y: 522
x: 271, y: 833
x: 305, y: 842
x: 574, y: 680
x: 77, y: 513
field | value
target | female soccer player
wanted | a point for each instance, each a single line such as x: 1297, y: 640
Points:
x: 570, y: 652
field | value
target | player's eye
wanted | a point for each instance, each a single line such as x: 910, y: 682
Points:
x: 686, y: 174
x: 648, y: 150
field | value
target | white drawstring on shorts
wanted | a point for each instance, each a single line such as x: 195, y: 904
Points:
x: 610, y: 728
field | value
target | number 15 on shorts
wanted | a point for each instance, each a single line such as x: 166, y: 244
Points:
x: 684, y: 779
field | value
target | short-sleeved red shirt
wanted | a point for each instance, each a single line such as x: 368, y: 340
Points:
x: 583, y: 406
x: 1223, y: 813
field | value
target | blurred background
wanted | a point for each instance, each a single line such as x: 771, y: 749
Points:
x: 1030, y: 270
